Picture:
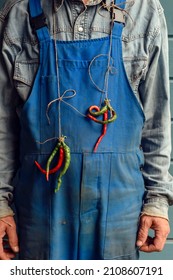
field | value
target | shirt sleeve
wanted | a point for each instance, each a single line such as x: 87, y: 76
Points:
x: 9, y: 128
x: 156, y: 137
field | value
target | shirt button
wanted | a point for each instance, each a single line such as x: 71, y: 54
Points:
x: 80, y: 29
x: 141, y: 167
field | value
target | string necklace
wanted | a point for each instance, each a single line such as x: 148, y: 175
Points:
x: 95, y: 112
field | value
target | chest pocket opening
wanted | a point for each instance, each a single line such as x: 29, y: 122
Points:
x: 24, y: 75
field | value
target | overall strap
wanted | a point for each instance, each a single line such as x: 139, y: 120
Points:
x: 120, y: 3
x: 38, y: 20
x: 119, y: 17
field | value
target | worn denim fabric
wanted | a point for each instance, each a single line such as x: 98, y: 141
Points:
x: 145, y: 55
x: 95, y: 213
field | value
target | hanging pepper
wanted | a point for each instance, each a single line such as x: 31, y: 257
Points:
x: 104, y: 130
x: 56, y: 168
x: 66, y: 165
x: 94, y: 113
x: 64, y: 158
x: 51, y: 157
x: 106, y: 111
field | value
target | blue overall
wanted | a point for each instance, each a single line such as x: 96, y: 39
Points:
x: 95, y: 213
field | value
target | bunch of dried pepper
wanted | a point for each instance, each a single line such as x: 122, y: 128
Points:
x: 64, y: 158
x: 109, y: 115
x: 95, y: 111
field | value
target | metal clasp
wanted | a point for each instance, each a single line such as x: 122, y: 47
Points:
x: 118, y: 15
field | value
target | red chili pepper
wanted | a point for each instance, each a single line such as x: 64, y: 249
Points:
x: 39, y: 167
x: 95, y: 112
x: 92, y: 118
x: 56, y: 168
x: 105, y: 117
x: 91, y: 108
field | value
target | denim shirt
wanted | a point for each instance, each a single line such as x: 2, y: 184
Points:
x: 145, y: 56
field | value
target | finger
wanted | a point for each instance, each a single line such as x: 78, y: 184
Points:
x: 9, y: 254
x: 142, y: 233
x: 2, y: 234
x: 12, y: 238
x: 3, y: 255
x: 148, y: 246
x: 153, y: 245
x: 5, y: 252
x: 159, y: 242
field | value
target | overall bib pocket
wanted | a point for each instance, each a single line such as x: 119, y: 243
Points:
x: 24, y: 75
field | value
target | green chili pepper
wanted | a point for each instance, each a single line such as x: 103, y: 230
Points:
x: 107, y: 108
x: 66, y: 165
x: 51, y: 158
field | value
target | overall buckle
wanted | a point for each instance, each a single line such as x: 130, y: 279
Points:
x: 118, y: 15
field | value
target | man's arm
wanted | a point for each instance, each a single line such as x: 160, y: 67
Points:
x: 156, y: 143
x: 9, y: 132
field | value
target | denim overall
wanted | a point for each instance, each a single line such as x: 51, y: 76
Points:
x: 95, y: 213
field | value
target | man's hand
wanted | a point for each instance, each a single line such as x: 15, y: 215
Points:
x: 8, y: 227
x: 161, y: 229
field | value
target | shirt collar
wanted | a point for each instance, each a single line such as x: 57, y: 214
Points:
x: 58, y: 3
x: 93, y: 2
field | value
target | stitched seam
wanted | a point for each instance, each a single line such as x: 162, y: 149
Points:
x: 8, y: 7
x: 103, y: 253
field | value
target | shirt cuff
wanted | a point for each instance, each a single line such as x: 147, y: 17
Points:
x: 5, y: 210
x: 156, y: 209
